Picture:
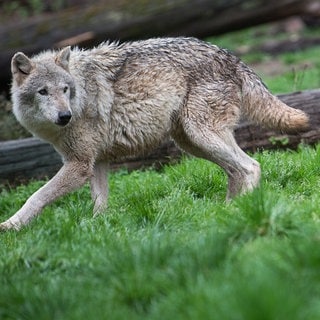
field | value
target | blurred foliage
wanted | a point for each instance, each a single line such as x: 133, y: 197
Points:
x: 25, y: 8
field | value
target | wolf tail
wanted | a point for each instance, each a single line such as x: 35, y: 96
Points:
x: 260, y: 106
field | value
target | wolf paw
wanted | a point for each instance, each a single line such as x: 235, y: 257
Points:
x: 8, y: 225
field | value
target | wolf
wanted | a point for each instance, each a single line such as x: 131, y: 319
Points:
x: 119, y: 100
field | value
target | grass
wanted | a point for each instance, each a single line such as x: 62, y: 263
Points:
x: 169, y: 246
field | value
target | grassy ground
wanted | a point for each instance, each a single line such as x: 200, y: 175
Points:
x: 169, y: 247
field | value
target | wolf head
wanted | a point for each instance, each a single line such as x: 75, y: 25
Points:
x: 42, y: 90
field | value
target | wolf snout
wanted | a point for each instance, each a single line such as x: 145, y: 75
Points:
x: 63, y: 118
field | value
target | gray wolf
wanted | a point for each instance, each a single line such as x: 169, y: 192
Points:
x: 119, y: 100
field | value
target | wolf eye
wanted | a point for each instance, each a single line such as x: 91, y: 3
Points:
x: 65, y: 89
x: 43, y: 92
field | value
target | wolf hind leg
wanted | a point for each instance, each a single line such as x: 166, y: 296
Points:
x: 221, y: 148
x: 99, y: 187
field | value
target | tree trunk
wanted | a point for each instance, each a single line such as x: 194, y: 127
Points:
x: 123, y: 20
x: 21, y: 160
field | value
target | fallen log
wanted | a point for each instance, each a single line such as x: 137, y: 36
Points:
x: 91, y: 24
x: 26, y: 159
x: 22, y: 160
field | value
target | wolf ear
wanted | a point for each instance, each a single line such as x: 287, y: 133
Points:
x: 63, y: 57
x: 21, y: 66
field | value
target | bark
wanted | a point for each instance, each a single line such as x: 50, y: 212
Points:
x: 22, y: 160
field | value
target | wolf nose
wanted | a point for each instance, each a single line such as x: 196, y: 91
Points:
x: 63, y: 118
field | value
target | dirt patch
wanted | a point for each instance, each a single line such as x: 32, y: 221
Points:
x: 275, y: 67
x: 272, y: 67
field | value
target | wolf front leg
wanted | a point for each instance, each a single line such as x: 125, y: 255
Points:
x: 70, y: 177
x: 99, y: 187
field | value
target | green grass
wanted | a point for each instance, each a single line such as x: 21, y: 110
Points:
x: 170, y: 247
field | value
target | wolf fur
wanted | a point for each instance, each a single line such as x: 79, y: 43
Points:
x: 120, y: 100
